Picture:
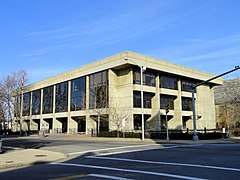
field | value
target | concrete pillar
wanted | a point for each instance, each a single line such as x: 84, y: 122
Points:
x: 88, y: 119
x: 41, y: 102
x: 54, y: 115
x: 69, y: 106
x: 176, y: 122
x: 30, y: 117
x: 154, y: 121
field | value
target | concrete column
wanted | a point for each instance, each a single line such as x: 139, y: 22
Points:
x: 88, y: 119
x: 177, y: 119
x: 54, y: 100
x: 30, y: 117
x: 41, y: 102
x: 30, y: 113
x: 87, y: 92
x: 154, y: 121
x: 69, y: 107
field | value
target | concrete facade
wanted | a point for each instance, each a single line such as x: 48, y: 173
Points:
x: 121, y: 87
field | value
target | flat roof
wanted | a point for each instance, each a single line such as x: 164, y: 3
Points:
x: 118, y: 61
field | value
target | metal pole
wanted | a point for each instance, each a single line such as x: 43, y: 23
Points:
x: 21, y: 111
x: 167, y: 138
x: 195, y: 136
x: 142, y: 110
x: 159, y: 117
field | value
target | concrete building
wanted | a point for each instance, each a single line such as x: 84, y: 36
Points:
x: 105, y: 95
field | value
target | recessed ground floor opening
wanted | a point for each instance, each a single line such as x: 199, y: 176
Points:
x: 102, y: 122
x: 49, y: 124
x: 36, y: 124
x: 63, y: 125
x: 185, y: 120
x: 81, y: 123
x: 163, y: 120
x: 137, y: 121
x: 26, y: 125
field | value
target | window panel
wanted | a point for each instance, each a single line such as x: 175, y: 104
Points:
x: 167, y: 99
x: 149, y: 78
x: 147, y: 97
x: 188, y: 84
x: 36, y: 102
x: 78, y: 94
x: 26, y: 104
x: 169, y: 82
x: 48, y: 100
x: 98, y: 91
x: 186, y: 104
x: 61, y: 97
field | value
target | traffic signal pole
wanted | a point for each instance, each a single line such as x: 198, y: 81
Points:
x: 195, y: 136
x: 167, y: 110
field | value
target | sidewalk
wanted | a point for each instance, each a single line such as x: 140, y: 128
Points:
x: 27, y: 157
x: 75, y: 137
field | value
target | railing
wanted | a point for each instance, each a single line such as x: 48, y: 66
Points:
x: 57, y: 130
x: 92, y: 132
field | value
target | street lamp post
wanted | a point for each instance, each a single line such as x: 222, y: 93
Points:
x: 21, y: 111
x: 142, y: 110
x: 21, y: 107
x: 142, y: 69
x: 195, y: 136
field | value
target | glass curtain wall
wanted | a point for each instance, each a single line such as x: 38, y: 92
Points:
x: 61, y: 104
x: 78, y: 94
x: 98, y: 90
x: 36, y: 102
x: 48, y: 100
x: 26, y: 104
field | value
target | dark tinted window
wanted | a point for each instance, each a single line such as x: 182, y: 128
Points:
x: 78, y: 95
x: 146, y: 99
x: 149, y: 78
x: 26, y: 104
x: 167, y: 99
x: 187, y: 85
x: 186, y: 104
x: 98, y: 90
x: 169, y: 82
x: 36, y: 102
x: 61, y: 97
x: 48, y: 100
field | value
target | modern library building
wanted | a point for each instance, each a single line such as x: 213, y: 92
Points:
x: 106, y: 96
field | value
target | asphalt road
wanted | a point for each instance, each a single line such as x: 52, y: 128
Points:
x: 139, y: 161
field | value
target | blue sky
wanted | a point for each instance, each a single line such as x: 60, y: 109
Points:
x: 48, y: 37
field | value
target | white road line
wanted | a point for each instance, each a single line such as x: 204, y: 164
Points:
x: 138, y: 150
x: 107, y: 177
x: 106, y: 149
x: 165, y: 163
x: 129, y: 171
x: 125, y: 147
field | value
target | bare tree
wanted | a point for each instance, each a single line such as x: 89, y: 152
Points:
x: 227, y: 100
x: 12, y: 92
x: 117, y: 115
